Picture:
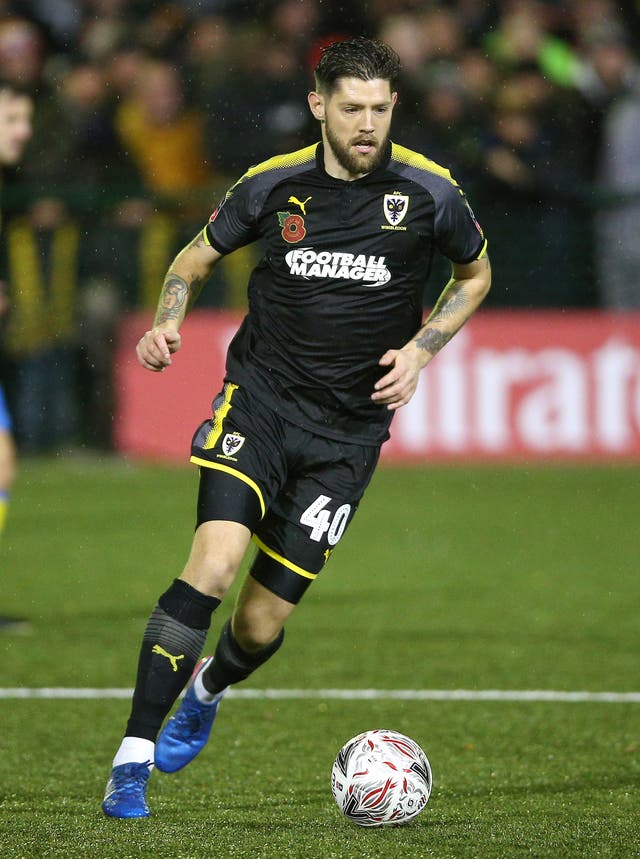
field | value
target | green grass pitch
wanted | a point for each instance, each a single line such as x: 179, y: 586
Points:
x: 480, y: 578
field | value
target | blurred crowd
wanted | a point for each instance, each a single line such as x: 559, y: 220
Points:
x: 146, y: 110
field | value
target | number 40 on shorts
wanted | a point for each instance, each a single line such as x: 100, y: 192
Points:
x: 322, y: 522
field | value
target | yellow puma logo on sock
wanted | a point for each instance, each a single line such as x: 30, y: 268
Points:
x: 301, y: 203
x: 172, y: 659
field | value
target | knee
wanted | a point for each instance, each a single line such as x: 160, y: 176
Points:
x: 211, y: 571
x: 218, y: 565
x: 216, y: 554
x: 254, y: 632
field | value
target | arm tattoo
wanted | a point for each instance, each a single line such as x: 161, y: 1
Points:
x: 176, y: 295
x: 452, y: 303
x: 431, y: 340
x: 198, y: 242
x: 172, y: 299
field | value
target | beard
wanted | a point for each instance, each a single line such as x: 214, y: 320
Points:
x: 354, y: 162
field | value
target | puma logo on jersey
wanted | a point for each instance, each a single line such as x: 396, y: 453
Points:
x: 301, y: 203
x: 172, y: 659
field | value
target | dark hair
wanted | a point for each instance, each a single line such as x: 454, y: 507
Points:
x: 366, y: 59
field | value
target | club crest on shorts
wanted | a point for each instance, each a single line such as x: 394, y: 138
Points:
x: 395, y: 207
x: 231, y: 443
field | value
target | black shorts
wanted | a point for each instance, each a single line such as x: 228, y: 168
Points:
x: 296, y: 491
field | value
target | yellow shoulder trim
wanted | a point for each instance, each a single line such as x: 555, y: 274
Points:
x: 415, y: 159
x: 282, y: 162
x: 278, y: 162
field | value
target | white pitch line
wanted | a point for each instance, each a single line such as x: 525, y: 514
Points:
x: 531, y: 695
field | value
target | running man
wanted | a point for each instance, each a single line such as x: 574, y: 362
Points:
x: 331, y: 347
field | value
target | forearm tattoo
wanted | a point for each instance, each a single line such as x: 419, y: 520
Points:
x: 452, y: 301
x: 198, y: 242
x: 175, y: 298
x: 172, y: 299
x: 431, y: 340
x: 452, y: 307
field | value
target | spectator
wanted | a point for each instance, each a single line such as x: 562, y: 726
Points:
x: 616, y: 225
x: 207, y: 56
x: 612, y: 81
x: 41, y: 243
x: 45, y: 252
x: 522, y: 38
x: 163, y: 134
x: 22, y: 52
x: 16, y: 109
x: 532, y: 190
x: 273, y: 117
x: 446, y: 126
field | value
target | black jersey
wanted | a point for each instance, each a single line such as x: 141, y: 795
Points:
x: 341, y: 280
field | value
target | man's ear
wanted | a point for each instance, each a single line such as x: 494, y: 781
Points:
x: 394, y: 99
x: 316, y: 105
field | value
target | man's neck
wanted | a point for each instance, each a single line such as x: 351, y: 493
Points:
x: 333, y: 167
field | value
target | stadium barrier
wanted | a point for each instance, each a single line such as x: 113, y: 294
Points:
x: 512, y: 385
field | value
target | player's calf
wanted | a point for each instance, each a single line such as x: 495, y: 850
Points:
x: 187, y: 731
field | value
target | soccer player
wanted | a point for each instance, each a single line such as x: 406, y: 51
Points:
x: 16, y: 108
x: 331, y: 347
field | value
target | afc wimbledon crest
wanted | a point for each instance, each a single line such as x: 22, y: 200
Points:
x: 231, y: 443
x: 395, y: 208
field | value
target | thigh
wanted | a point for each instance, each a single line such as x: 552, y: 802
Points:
x: 311, y: 514
x: 216, y: 553
x: 240, y: 451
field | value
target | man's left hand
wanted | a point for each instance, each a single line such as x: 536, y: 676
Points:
x: 396, y: 388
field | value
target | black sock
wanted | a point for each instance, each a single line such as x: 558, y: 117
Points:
x: 172, y: 643
x: 231, y: 663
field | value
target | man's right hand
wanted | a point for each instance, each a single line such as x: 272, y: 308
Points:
x: 155, y: 348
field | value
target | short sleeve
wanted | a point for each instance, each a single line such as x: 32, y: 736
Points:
x: 459, y: 236
x: 234, y: 222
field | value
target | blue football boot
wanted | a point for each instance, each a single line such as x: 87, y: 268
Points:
x: 125, y: 794
x: 187, y: 731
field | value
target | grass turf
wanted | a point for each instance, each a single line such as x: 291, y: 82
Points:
x: 507, y: 578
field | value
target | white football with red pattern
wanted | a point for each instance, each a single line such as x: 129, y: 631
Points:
x: 381, y: 778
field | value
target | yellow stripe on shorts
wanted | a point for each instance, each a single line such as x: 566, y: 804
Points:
x: 219, y: 416
x: 206, y: 463
x: 285, y: 563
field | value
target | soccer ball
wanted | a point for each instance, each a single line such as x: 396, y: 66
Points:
x: 381, y: 778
